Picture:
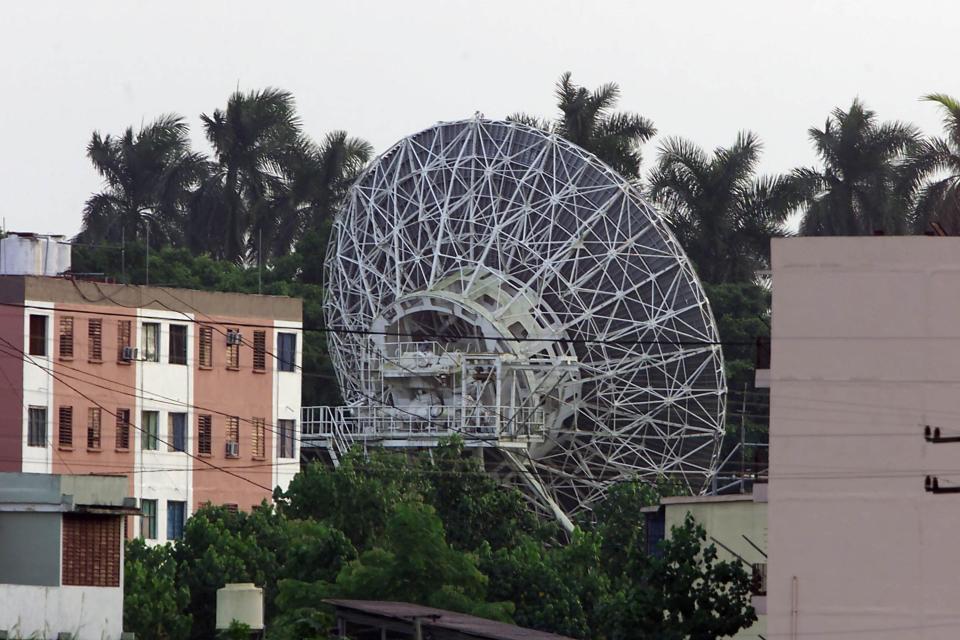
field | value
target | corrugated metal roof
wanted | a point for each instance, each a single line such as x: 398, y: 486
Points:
x: 441, y: 618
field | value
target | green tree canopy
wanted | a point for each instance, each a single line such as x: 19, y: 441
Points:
x: 721, y: 212
x: 414, y: 563
x: 148, y: 178
x: 154, y: 602
x: 859, y: 188
x: 682, y: 594
x: 588, y: 120
x: 267, y: 185
x: 933, y: 172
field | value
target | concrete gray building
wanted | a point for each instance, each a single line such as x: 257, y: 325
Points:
x: 61, y: 555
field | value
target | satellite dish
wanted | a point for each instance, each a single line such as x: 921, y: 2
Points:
x: 493, y: 280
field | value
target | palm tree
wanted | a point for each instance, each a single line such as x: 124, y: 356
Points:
x: 933, y: 172
x: 722, y: 214
x: 316, y: 180
x: 587, y: 119
x: 252, y: 139
x: 149, y: 176
x: 858, y: 191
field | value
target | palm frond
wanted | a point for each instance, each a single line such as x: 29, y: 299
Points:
x: 951, y: 117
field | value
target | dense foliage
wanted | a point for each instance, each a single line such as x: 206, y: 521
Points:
x: 388, y: 526
x: 265, y: 185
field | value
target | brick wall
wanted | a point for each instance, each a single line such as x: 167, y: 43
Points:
x: 91, y: 550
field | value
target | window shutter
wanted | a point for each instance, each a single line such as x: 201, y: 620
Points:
x: 66, y: 337
x: 206, y: 346
x: 259, y: 350
x: 93, y: 428
x: 65, y: 437
x: 95, y: 335
x: 205, y: 434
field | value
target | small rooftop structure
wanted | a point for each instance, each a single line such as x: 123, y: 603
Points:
x: 34, y: 254
x: 355, y: 617
x: 61, y: 555
x: 42, y: 492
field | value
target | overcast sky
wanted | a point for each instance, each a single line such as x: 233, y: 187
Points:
x: 382, y: 70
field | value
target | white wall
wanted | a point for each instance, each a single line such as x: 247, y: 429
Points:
x: 37, y: 388
x: 164, y: 475
x: 91, y: 613
x: 287, y: 389
x: 866, y: 351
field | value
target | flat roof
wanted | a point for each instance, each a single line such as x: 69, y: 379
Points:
x: 733, y: 497
x: 443, y: 619
x: 64, y: 290
x: 66, y: 492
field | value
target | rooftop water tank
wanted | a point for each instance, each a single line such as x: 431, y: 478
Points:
x: 34, y: 254
x: 241, y: 601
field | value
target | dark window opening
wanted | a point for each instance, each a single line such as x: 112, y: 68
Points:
x: 285, y: 438
x: 178, y: 344
x: 287, y: 351
x: 178, y: 432
x: 38, y: 335
x: 176, y: 515
x: 37, y: 427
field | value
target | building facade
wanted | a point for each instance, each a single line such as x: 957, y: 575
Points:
x: 866, y: 354
x: 735, y: 524
x: 193, y: 396
x: 61, y: 555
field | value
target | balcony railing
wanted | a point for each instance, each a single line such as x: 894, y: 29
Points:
x: 352, y: 424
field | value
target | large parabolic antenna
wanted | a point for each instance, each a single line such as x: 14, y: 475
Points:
x: 495, y: 281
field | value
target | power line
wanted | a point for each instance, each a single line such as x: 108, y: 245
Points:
x: 142, y: 431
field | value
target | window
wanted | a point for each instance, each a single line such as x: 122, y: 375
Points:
x: 176, y: 514
x: 93, y: 428
x: 259, y: 433
x: 149, y: 424
x: 204, y: 434
x: 38, y: 335
x: 206, y: 346
x: 95, y: 338
x: 151, y: 342
x: 285, y: 438
x: 232, y: 507
x: 148, y: 522
x: 287, y: 351
x: 66, y: 337
x: 178, y: 432
x: 65, y: 431
x: 233, y: 437
x: 37, y: 427
x: 758, y: 579
x: 259, y: 350
x: 655, y: 532
x: 178, y: 344
x: 123, y: 429
x: 91, y: 550
x: 123, y: 339
x: 233, y: 348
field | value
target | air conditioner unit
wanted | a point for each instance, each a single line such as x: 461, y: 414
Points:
x: 234, y: 337
x: 130, y: 353
x: 233, y: 449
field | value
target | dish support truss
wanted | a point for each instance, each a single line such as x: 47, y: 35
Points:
x: 496, y: 282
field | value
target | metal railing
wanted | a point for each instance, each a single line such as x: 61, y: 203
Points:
x: 412, y: 347
x: 345, y: 425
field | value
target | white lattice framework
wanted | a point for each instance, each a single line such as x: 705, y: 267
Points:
x: 578, y: 256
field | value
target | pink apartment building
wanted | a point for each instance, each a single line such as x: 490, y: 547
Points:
x: 866, y: 355
x: 193, y: 396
